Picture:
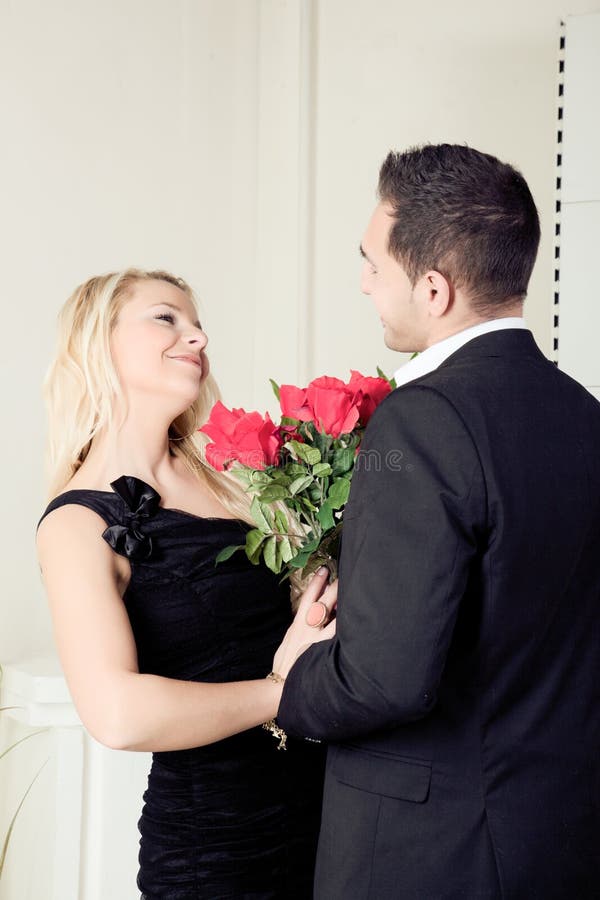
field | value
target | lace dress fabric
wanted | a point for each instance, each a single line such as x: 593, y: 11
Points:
x: 238, y: 818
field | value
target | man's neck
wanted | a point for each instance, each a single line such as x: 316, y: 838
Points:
x: 447, y: 328
x: 435, y: 353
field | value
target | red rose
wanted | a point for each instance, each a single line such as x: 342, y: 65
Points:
x: 369, y: 392
x: 333, y: 408
x: 293, y: 403
x: 237, y: 435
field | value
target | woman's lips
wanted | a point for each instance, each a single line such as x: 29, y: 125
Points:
x: 194, y: 360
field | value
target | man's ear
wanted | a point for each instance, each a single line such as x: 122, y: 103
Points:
x: 436, y: 293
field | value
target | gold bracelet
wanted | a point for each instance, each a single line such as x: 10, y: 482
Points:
x: 272, y: 726
x: 277, y: 732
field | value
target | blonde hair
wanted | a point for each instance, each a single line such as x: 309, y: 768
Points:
x: 81, y: 387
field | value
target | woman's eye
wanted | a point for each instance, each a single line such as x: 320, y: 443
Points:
x: 166, y: 317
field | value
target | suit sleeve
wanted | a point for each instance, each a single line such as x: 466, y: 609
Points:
x: 412, y: 527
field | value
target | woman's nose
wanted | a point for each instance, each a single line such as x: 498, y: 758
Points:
x: 197, y: 337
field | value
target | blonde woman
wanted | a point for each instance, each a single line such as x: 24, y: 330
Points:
x: 162, y: 650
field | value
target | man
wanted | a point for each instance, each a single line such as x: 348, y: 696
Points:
x: 461, y: 695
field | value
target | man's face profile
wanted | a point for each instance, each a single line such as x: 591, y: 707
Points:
x: 385, y: 281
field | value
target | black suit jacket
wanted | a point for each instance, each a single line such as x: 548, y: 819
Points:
x: 461, y: 695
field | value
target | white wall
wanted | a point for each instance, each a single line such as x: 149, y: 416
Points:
x: 236, y: 142
x: 578, y: 308
x: 395, y: 74
x: 128, y: 137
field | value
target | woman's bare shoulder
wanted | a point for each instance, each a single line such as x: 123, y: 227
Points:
x: 70, y: 539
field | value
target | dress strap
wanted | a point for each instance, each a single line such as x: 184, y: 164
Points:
x: 124, y: 510
x: 105, y: 503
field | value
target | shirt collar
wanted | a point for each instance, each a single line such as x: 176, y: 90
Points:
x: 435, y: 355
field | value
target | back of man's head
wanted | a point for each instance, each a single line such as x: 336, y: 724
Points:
x: 465, y: 214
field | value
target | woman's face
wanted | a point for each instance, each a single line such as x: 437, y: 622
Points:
x: 158, y: 345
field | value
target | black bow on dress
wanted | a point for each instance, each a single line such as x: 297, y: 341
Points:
x: 142, y: 501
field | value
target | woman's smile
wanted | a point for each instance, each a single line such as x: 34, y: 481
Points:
x: 188, y: 358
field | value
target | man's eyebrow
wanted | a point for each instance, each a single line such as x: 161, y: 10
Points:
x: 177, y: 309
x: 364, y: 255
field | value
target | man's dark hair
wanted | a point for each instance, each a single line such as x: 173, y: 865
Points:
x: 465, y: 214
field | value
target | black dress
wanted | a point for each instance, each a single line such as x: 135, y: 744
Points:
x: 238, y: 818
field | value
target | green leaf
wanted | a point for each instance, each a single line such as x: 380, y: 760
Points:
x: 244, y: 475
x: 300, y: 483
x: 310, y: 431
x: 254, y: 542
x: 310, y: 546
x: 325, y: 516
x: 262, y: 516
x: 322, y: 469
x: 323, y: 443
x: 338, y: 493
x: 273, y: 492
x: 259, y: 479
x: 313, y: 456
x: 270, y: 554
x: 275, y: 387
x: 304, y: 501
x: 310, y: 455
x: 284, y: 553
x: 302, y: 557
x: 343, y: 460
x: 278, y: 557
x: 291, y: 447
x: 285, y: 549
x: 281, y: 522
x: 227, y: 552
x: 294, y: 469
x: 391, y: 381
x: 299, y: 561
x: 280, y: 476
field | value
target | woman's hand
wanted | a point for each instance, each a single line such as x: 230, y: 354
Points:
x: 312, y: 622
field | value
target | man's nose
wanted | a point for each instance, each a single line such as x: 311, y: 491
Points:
x: 365, y: 284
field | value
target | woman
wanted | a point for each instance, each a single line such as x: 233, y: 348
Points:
x: 162, y: 650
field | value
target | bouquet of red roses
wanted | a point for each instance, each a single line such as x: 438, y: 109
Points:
x: 298, y: 471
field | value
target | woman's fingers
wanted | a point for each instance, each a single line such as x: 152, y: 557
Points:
x: 317, y: 614
x: 314, y: 589
x: 310, y: 624
x: 320, y: 610
x: 327, y: 632
x: 330, y: 595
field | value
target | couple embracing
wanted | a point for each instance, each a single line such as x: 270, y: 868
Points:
x: 455, y: 692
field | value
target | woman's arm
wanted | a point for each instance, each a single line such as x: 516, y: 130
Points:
x: 118, y: 705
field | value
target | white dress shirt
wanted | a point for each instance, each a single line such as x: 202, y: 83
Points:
x: 435, y: 355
